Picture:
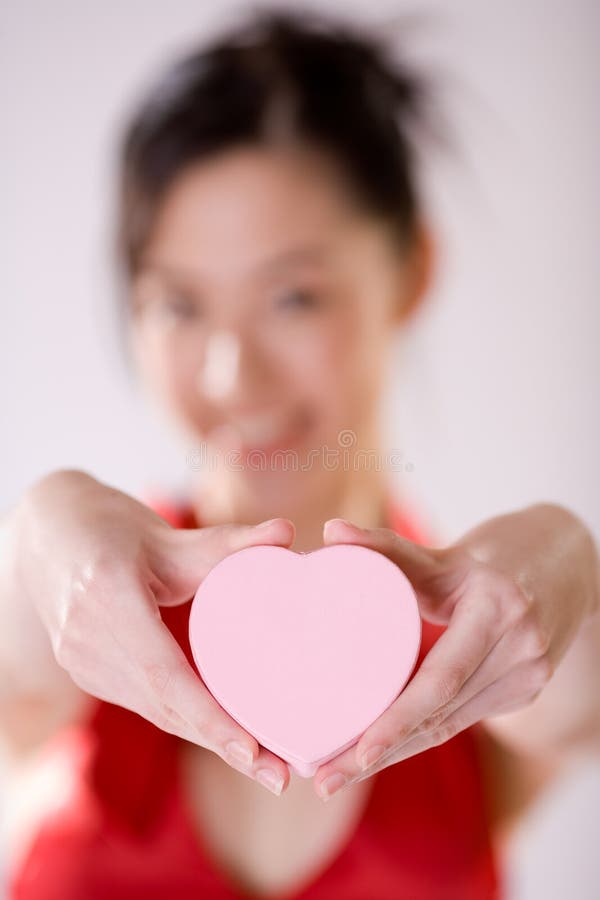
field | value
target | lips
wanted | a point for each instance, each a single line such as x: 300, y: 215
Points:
x: 262, y: 430
x: 263, y: 433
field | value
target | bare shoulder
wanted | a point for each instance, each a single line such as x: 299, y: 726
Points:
x: 513, y: 781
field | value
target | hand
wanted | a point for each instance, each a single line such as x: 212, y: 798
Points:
x: 96, y: 565
x: 513, y: 593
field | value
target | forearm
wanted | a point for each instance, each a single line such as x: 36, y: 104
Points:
x: 27, y: 663
x: 36, y: 694
x: 562, y: 561
x: 24, y: 644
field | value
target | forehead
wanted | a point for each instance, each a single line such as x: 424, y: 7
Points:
x: 249, y: 199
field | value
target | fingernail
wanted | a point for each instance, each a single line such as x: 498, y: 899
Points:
x: 352, y: 525
x: 371, y: 756
x: 271, y: 780
x: 239, y: 753
x: 265, y: 524
x: 339, y: 521
x: 332, y: 784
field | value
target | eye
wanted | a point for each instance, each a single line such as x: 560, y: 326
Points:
x: 152, y: 296
x: 297, y: 299
x: 178, y: 306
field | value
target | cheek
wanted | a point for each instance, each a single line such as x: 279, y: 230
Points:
x: 335, y: 368
x: 168, y: 365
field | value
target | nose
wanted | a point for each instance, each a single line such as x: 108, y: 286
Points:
x: 219, y: 373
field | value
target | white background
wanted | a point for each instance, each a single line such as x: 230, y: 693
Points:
x: 498, y: 389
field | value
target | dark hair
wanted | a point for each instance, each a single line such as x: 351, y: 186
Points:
x: 316, y: 78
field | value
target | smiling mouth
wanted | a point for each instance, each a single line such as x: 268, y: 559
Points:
x: 264, y: 433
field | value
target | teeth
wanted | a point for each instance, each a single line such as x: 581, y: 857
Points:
x: 260, y: 429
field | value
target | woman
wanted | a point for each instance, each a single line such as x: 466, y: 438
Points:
x: 272, y: 240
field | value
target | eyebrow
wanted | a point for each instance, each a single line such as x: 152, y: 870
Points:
x: 293, y: 256
x: 305, y: 253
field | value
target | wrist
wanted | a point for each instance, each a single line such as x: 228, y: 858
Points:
x: 544, y: 546
x: 583, y: 555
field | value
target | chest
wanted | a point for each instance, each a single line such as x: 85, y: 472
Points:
x: 263, y: 843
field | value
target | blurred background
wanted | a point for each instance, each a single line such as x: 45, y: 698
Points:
x: 497, y: 397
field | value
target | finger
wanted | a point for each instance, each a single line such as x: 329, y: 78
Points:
x: 166, y: 680
x: 511, y: 692
x: 184, y: 705
x: 136, y: 662
x: 510, y: 653
x: 473, y: 631
x: 452, y: 660
x: 192, y: 552
x: 266, y: 768
x: 271, y: 771
x: 190, y: 710
x: 435, y: 573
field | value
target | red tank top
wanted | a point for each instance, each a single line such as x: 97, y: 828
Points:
x: 122, y: 830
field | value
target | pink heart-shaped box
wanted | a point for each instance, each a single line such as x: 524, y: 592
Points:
x: 305, y: 650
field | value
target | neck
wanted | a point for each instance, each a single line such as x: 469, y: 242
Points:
x: 362, y: 501
x: 361, y: 497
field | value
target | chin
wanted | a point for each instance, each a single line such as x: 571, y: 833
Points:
x: 286, y: 494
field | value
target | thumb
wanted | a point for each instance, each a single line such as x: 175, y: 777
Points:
x: 431, y: 571
x: 190, y: 553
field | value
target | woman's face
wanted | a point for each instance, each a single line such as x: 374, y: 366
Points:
x: 263, y: 312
